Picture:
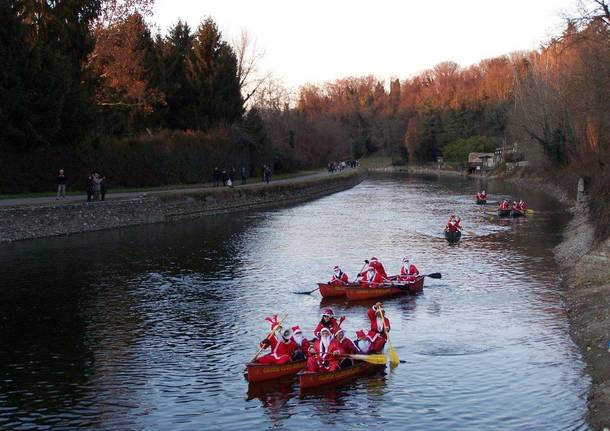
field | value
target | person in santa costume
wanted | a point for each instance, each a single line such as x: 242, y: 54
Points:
x: 301, y: 342
x: 504, y: 205
x: 374, y: 273
x: 282, y: 346
x: 338, y: 277
x: 408, y: 271
x: 348, y: 347
x: 377, y: 333
x: 363, y: 342
x: 328, y: 321
x: 522, y: 205
x: 325, y: 353
x: 453, y: 225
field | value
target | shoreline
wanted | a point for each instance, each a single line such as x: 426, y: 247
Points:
x: 27, y: 221
x: 584, y: 263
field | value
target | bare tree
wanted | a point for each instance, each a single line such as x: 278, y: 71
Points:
x: 248, y: 60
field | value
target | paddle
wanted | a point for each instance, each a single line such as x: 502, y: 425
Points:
x: 394, y: 359
x: 275, y: 328
x: 377, y: 359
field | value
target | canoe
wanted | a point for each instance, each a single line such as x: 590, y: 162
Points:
x: 263, y: 372
x: 384, y: 290
x: 328, y: 290
x: 309, y: 379
x: 453, y: 236
x: 504, y: 213
x: 517, y: 213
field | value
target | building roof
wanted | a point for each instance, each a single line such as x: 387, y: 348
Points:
x: 479, y: 157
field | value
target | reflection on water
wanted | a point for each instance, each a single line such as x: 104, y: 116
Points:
x: 149, y: 328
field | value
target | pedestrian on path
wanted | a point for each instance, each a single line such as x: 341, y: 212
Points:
x: 89, y: 188
x: 61, y: 184
x: 243, y: 175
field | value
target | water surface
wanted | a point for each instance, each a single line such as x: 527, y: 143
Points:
x: 149, y: 327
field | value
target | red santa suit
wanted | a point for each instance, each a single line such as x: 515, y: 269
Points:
x: 375, y: 274
x: 408, y: 271
x: 281, y: 350
x: 324, y: 357
x: 504, y: 205
x: 339, y: 277
x: 302, y: 343
x: 376, y: 333
x: 363, y: 342
x: 522, y: 205
x: 333, y: 325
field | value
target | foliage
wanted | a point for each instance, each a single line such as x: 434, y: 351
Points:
x: 457, y: 152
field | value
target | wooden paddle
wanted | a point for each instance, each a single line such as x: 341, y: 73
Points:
x: 377, y: 359
x: 394, y: 359
x: 275, y: 328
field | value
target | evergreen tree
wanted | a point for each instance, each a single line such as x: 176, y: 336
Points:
x: 212, y: 75
x: 176, y: 50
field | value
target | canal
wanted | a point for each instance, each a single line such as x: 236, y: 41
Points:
x: 150, y: 327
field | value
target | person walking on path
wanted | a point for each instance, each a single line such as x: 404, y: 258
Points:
x: 61, y: 184
x: 103, y: 187
x: 243, y: 176
x: 89, y: 187
x: 97, y: 186
x: 224, y: 177
x: 232, y: 177
x: 216, y: 177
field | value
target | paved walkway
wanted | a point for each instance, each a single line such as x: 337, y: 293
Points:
x: 46, y: 200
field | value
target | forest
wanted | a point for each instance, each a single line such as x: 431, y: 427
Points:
x: 87, y: 85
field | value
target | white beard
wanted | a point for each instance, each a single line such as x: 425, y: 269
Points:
x: 379, y: 323
x: 337, y: 273
x: 371, y: 275
x: 406, y: 266
x: 298, y: 338
x: 325, y: 343
x: 363, y: 345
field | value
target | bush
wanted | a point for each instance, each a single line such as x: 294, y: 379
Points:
x: 457, y: 152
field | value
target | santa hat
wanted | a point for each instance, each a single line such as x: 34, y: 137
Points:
x: 405, y: 259
x: 324, y: 330
x: 340, y: 330
x: 296, y: 329
x: 328, y: 312
x: 336, y: 268
x: 360, y: 334
x: 373, y: 259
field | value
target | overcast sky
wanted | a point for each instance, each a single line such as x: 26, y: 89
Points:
x: 316, y: 41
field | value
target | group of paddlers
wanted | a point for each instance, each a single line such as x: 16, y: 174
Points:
x: 330, y: 347
x: 505, y: 205
x: 374, y: 273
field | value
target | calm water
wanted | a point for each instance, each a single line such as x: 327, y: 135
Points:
x: 149, y: 328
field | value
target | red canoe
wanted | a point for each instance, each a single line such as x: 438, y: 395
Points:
x: 383, y: 290
x: 328, y: 290
x: 263, y: 372
x: 309, y: 379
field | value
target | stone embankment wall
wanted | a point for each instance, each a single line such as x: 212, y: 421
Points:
x: 28, y: 222
x: 427, y: 170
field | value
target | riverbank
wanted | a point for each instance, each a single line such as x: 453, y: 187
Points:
x: 584, y: 262
x: 28, y: 221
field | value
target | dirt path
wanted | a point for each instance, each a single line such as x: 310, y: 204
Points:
x: 46, y: 200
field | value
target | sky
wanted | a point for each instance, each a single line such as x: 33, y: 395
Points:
x: 318, y: 41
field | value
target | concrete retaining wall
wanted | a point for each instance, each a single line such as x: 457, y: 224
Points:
x: 28, y: 222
